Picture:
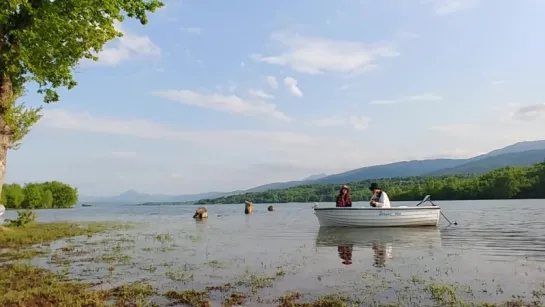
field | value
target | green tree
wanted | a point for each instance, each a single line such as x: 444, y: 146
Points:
x: 64, y: 196
x: 51, y: 194
x: 14, y: 195
x: 47, y: 199
x: 32, y: 196
x: 41, y: 42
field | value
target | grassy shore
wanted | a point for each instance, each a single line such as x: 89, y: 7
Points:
x: 22, y: 284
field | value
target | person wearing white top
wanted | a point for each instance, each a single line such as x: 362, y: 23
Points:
x: 379, y: 198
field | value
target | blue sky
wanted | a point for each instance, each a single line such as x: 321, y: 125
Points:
x: 234, y: 94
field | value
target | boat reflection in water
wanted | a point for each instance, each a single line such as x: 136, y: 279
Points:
x: 381, y: 240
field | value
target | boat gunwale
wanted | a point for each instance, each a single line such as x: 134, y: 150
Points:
x: 378, y: 208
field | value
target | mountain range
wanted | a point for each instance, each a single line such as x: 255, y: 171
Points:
x: 519, y: 154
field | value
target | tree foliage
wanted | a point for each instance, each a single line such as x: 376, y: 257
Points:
x: 503, y: 183
x: 50, y: 194
x: 42, y: 42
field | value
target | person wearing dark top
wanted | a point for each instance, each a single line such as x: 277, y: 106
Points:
x: 343, y: 199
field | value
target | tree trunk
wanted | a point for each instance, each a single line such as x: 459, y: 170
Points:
x: 6, y: 96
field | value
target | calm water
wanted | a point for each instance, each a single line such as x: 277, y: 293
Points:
x: 497, y: 249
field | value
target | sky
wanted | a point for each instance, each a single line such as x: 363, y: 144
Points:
x: 227, y: 95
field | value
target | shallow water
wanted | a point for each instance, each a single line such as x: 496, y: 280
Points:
x: 496, y: 252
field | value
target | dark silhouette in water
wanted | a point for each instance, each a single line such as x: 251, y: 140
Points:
x: 200, y: 213
x: 248, y: 207
x: 379, y: 255
x: 345, y: 253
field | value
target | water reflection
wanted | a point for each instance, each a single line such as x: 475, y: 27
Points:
x: 381, y: 252
x: 345, y: 253
x: 380, y: 240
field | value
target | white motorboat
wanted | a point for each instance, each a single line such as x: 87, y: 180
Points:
x: 379, y: 217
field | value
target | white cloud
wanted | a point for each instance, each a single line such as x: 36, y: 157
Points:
x: 230, y: 104
x: 84, y: 121
x: 245, y: 153
x: 127, y: 47
x: 447, y: 7
x: 359, y: 123
x: 191, y: 30
x: 315, y: 55
x: 530, y: 112
x: 272, y: 82
x: 291, y: 85
x: 497, y: 82
x: 454, y: 128
x: 257, y: 145
x: 260, y: 94
x: 242, y: 64
x: 491, y: 130
x: 421, y: 97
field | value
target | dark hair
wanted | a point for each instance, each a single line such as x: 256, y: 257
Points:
x: 345, y: 197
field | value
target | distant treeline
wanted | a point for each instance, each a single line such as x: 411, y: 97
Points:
x: 504, y: 183
x: 50, y: 194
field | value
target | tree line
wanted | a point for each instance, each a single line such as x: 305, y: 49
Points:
x: 45, y: 195
x: 503, y: 183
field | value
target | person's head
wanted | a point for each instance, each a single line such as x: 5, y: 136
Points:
x: 344, y: 190
x: 375, y: 187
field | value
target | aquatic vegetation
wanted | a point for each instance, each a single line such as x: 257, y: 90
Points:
x: 290, y: 300
x: 40, y: 233
x: 235, y: 299
x: 23, y: 285
x: 133, y: 294
x: 24, y: 218
x: 179, y: 275
x: 11, y: 254
x: 190, y: 297
x: 442, y: 293
x: 164, y: 237
x: 215, y: 264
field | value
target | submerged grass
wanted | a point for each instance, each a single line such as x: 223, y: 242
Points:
x: 40, y: 233
x: 23, y: 285
x: 190, y: 297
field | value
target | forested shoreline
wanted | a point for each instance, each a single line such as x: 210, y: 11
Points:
x: 503, y: 183
x: 44, y: 195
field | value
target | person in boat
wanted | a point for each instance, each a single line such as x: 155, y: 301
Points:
x: 379, y: 198
x: 343, y: 199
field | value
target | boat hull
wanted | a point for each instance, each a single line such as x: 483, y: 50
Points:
x: 378, y: 217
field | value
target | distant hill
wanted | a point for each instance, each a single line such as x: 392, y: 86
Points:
x: 519, y: 154
x: 517, y: 147
x: 397, y: 169
x: 314, y: 177
x: 484, y: 165
x: 432, y: 167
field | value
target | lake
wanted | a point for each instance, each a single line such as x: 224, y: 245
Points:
x: 495, y: 253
